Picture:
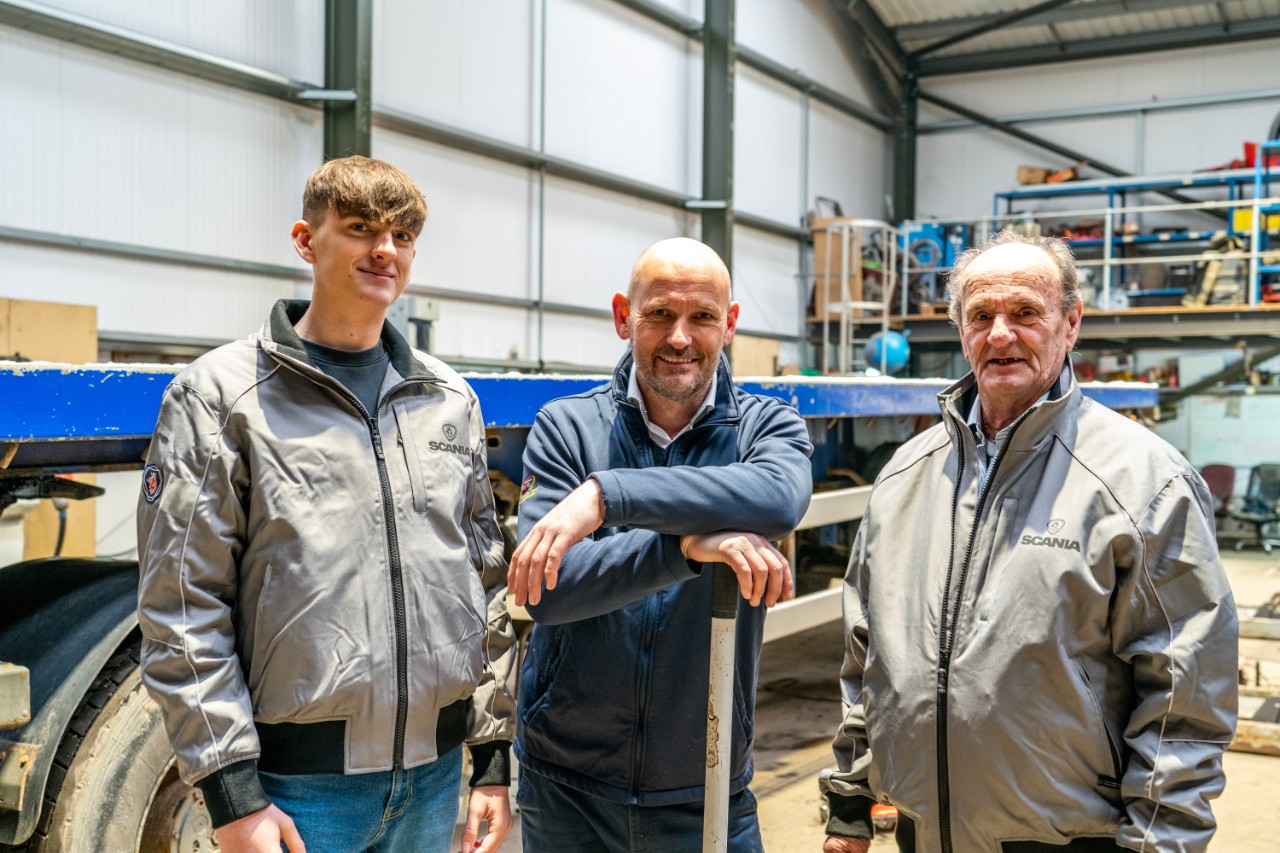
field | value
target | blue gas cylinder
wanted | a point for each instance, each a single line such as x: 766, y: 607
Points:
x: 892, y: 347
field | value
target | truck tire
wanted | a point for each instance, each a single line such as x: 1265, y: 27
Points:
x: 114, y: 787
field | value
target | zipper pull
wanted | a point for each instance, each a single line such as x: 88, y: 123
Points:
x: 377, y: 441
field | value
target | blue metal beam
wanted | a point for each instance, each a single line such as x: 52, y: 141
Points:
x: 69, y: 417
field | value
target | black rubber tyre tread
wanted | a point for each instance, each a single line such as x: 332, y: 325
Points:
x: 112, y: 676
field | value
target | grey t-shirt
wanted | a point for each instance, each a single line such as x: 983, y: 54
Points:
x: 361, y: 372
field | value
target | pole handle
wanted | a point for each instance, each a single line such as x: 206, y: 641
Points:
x: 724, y: 592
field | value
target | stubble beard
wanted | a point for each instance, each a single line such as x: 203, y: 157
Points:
x: 675, y: 390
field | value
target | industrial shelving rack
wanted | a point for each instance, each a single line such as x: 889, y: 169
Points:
x: 1247, y: 190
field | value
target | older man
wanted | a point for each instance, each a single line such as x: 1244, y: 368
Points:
x: 666, y: 469
x: 1041, y: 642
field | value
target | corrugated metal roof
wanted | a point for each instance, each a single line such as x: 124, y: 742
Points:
x: 919, y: 23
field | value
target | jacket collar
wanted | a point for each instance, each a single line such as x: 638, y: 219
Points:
x: 1036, y: 424
x: 279, y: 331
x: 726, y: 404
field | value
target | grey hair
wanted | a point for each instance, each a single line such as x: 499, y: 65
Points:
x: 1056, y: 249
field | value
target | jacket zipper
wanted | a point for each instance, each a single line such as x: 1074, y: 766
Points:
x: 947, y: 633
x: 393, y: 559
x: 646, y: 681
x: 397, y: 596
x: 397, y: 582
x: 646, y: 672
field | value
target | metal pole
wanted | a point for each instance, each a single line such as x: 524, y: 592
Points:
x: 719, y: 57
x: 1108, y: 249
x: 542, y: 184
x: 904, y: 154
x: 724, y: 612
x: 348, y: 66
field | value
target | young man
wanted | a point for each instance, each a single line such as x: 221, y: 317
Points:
x: 1041, y: 642
x: 630, y: 491
x: 313, y: 572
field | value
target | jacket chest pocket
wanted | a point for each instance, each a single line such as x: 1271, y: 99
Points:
x: 437, y: 451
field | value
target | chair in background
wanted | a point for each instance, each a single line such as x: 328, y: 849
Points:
x: 1261, y: 506
x: 1221, y: 480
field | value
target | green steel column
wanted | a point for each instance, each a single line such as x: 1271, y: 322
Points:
x: 904, y: 152
x: 348, y: 66
x: 718, y: 60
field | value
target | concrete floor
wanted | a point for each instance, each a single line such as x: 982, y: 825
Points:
x: 798, y: 709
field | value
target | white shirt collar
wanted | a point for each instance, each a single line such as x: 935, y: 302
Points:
x: 657, y: 433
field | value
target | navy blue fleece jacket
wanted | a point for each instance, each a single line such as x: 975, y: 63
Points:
x: 613, y: 689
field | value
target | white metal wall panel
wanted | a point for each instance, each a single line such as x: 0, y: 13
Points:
x: 98, y: 146
x: 471, y: 65
x: 581, y: 340
x: 1183, y: 141
x: 593, y: 238
x: 848, y: 161
x: 957, y: 173
x: 768, y: 147
x: 805, y: 35
x: 477, y: 236
x: 764, y: 282
x: 618, y: 92
x: 143, y: 298
x: 284, y: 37
x: 481, y: 331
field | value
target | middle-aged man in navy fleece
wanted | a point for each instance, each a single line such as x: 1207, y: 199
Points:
x: 630, y: 491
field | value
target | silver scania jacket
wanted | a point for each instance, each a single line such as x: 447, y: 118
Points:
x: 1051, y: 658
x: 315, y: 572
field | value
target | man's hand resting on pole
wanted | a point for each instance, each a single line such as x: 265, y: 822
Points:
x: 763, y: 573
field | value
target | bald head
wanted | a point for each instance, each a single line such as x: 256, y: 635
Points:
x: 678, y: 317
x: 676, y: 259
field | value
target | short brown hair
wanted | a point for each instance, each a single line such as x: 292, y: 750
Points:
x: 364, y: 187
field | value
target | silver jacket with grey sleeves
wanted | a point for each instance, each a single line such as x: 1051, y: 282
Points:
x: 1047, y: 658
x: 311, y: 594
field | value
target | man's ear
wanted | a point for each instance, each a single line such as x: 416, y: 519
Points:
x: 302, y: 235
x: 730, y: 323
x: 621, y: 311
x: 1074, y: 317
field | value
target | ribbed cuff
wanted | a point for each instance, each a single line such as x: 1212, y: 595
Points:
x: 233, y: 792
x: 682, y: 568
x: 490, y: 763
x: 850, y: 816
x: 609, y: 495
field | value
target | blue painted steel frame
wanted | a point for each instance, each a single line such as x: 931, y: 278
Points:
x: 114, y: 408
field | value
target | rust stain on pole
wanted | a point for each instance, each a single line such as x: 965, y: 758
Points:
x: 713, y: 735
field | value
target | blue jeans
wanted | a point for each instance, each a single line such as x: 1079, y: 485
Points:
x: 398, y: 811
x: 555, y: 818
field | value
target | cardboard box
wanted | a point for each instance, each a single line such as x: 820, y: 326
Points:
x: 51, y: 331
x: 750, y: 356
x: 1032, y: 175
x: 828, y: 258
